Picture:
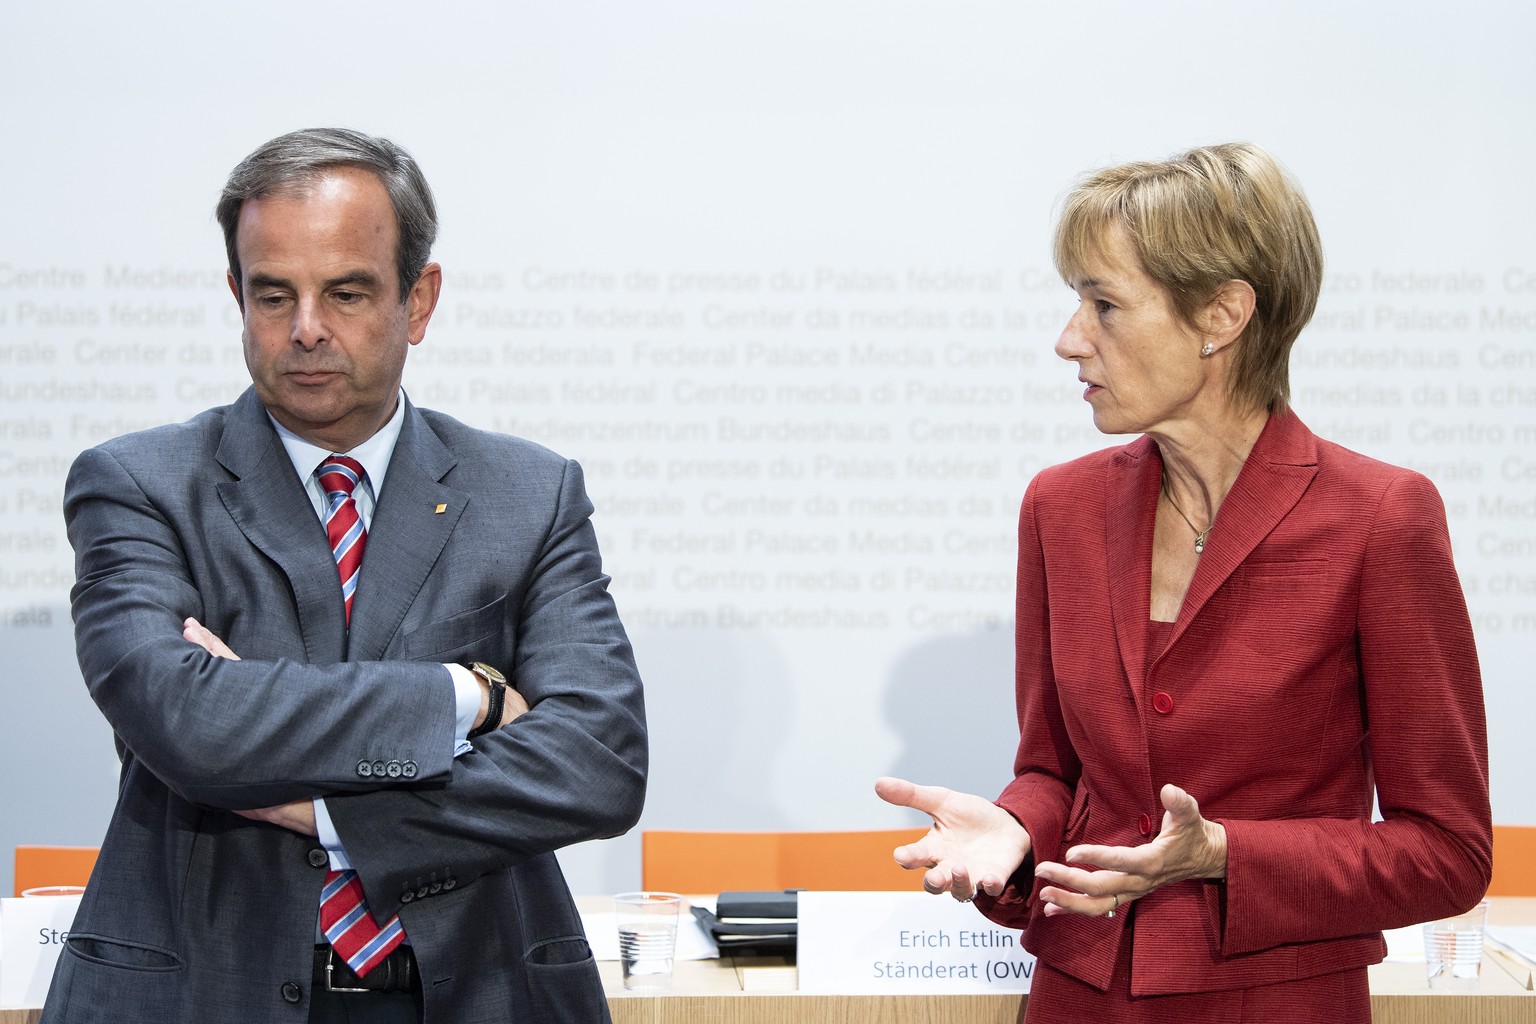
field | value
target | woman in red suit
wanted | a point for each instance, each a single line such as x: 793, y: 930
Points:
x: 1232, y: 635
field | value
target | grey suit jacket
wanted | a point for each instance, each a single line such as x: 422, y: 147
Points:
x: 481, y: 548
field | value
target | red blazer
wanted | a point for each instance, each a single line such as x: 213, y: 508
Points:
x: 1323, y: 647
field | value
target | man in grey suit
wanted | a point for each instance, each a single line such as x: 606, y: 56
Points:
x: 291, y: 724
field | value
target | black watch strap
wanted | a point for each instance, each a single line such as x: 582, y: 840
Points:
x: 496, y: 683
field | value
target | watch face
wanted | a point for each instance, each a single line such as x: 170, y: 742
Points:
x: 489, y: 671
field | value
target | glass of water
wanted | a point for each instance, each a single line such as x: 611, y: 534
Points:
x: 647, y: 938
x: 1453, y: 950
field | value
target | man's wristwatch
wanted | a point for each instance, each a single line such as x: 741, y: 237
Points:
x: 497, y: 684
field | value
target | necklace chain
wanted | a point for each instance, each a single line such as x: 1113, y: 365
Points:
x: 1200, y: 535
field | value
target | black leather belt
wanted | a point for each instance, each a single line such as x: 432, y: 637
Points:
x: 395, y: 973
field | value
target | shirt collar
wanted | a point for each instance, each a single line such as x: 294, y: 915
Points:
x: 373, y: 453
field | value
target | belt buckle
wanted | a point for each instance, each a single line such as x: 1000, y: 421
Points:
x: 330, y: 965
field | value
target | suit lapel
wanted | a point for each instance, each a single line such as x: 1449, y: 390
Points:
x: 269, y: 505
x: 406, y: 536
x: 1130, y: 518
x: 1271, y: 482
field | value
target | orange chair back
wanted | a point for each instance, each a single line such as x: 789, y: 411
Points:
x: 53, y: 865
x: 1514, y: 861
x: 710, y: 862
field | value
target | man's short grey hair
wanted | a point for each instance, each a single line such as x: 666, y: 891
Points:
x: 290, y: 162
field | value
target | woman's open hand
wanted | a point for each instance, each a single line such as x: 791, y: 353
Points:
x: 974, y: 845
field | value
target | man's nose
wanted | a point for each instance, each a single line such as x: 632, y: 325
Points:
x: 309, y: 327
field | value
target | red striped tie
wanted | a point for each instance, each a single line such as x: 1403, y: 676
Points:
x: 344, y: 916
x: 349, y: 926
x: 339, y: 475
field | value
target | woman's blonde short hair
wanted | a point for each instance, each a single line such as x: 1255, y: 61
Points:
x: 1202, y: 219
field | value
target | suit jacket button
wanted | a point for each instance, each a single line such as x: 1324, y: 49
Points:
x: 291, y: 992
x: 364, y: 768
x: 378, y: 768
x: 408, y: 769
x: 1163, y: 702
x: 423, y: 892
x: 435, y: 888
x: 1144, y: 824
x: 392, y: 769
x: 318, y: 858
x: 406, y: 896
x: 448, y: 883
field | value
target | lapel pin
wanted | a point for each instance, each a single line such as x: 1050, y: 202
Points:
x: 440, y: 509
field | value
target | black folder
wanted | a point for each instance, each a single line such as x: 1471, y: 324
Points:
x: 752, y: 905
x: 752, y: 923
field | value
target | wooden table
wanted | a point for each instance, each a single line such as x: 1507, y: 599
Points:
x: 755, y: 991
x: 717, y: 992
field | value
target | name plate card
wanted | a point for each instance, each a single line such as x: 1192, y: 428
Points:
x: 873, y: 943
x: 32, y: 932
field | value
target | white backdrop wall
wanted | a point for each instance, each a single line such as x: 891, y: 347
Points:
x: 778, y: 274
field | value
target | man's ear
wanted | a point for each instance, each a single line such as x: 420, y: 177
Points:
x: 423, y: 300
x: 234, y: 289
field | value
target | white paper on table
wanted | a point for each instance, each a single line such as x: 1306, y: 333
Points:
x: 32, y: 932
x: 602, y: 927
x: 1405, y: 945
x: 1520, y: 940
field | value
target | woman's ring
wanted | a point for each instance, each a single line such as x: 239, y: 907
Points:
x: 1114, y: 908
